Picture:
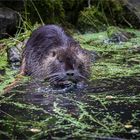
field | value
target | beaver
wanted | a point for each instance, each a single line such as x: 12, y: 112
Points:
x: 52, y: 54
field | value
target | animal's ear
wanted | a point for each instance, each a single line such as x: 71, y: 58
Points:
x: 75, y: 47
x: 78, y: 49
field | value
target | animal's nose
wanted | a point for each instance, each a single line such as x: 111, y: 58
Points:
x: 70, y: 73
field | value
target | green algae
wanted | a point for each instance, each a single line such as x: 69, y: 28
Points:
x: 110, y: 109
x: 10, y: 74
x: 117, y: 59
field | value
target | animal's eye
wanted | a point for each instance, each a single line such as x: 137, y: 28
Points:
x: 53, y: 53
x: 61, y: 61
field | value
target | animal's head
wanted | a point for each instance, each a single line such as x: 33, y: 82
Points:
x: 64, y: 64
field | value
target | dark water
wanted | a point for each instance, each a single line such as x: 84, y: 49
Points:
x: 24, y: 106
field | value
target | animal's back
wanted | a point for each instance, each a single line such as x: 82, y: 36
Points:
x: 50, y: 51
x: 45, y: 36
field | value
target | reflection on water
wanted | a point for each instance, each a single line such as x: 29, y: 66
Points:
x: 100, y: 99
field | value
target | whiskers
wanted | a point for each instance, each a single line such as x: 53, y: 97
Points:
x: 85, y: 71
x: 58, y: 76
x: 61, y: 78
x: 55, y: 78
x: 79, y: 76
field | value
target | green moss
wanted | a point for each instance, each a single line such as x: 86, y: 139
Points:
x: 117, y: 60
x: 81, y: 115
x: 10, y: 74
x: 91, y: 19
x: 46, y: 11
x: 7, y: 79
x: 3, y: 58
x: 113, y: 30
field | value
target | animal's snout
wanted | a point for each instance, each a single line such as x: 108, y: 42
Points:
x: 70, y: 73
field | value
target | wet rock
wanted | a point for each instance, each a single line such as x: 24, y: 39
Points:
x: 132, y: 14
x: 2, y: 71
x: 14, y: 54
x: 118, y: 35
x: 17, y: 5
x: 14, y: 57
x: 8, y: 22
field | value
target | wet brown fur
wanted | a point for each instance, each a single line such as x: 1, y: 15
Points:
x: 52, y: 54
